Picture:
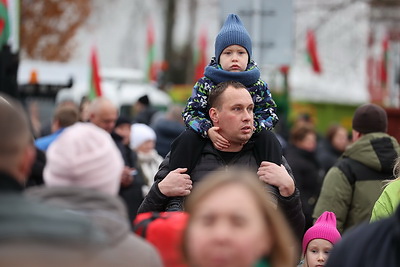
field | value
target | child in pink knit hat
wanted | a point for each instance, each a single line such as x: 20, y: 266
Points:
x: 319, y: 240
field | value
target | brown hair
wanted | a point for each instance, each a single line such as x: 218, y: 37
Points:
x: 332, y: 130
x: 283, y: 251
x: 66, y: 115
x: 215, y: 93
x: 299, y: 132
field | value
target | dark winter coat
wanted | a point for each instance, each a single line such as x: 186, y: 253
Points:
x: 369, y: 245
x: 306, y: 171
x: 132, y: 194
x: 211, y: 160
x: 166, y: 132
x: 351, y: 188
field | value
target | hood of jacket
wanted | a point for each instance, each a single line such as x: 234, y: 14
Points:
x: 168, y: 128
x: 107, y: 213
x: 377, y: 151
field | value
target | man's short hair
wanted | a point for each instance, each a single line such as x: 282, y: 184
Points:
x: 215, y: 93
x: 100, y: 103
x: 14, y: 129
x: 66, y: 115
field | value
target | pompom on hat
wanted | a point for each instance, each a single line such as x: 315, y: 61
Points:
x: 84, y: 155
x: 370, y: 118
x: 324, y: 228
x: 232, y: 32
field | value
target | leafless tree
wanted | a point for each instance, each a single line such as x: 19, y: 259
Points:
x: 48, y: 27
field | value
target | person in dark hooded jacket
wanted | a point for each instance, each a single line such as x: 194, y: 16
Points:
x: 351, y: 188
x: 369, y: 245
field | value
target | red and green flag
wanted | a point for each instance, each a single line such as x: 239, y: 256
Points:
x: 4, y: 23
x: 94, y: 80
x: 151, y: 74
x: 312, y: 53
x: 384, y: 60
x: 200, y: 58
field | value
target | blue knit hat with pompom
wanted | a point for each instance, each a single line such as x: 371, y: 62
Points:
x: 232, y: 32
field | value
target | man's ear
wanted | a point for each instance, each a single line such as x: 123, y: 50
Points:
x: 356, y: 135
x: 213, y: 115
x: 25, y: 165
x: 55, y: 125
x: 91, y: 116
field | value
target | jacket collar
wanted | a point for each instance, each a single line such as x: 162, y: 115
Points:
x: 215, y: 73
x: 9, y: 183
x: 209, y: 148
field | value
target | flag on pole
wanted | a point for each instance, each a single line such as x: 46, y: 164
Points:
x: 150, y: 48
x: 4, y: 23
x: 312, y: 53
x: 384, y: 61
x: 200, y: 60
x: 94, y: 79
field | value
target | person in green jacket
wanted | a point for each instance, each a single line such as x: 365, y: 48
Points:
x: 390, y: 198
x: 352, y: 186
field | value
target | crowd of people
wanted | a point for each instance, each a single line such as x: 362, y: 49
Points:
x: 76, y: 191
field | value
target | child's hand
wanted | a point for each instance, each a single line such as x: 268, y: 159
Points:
x: 217, y: 139
x: 278, y: 176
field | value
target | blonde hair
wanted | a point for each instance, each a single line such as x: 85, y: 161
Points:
x: 396, y: 173
x: 283, y: 251
x: 396, y: 169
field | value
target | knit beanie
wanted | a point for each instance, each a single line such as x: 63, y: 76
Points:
x: 122, y: 120
x: 84, y: 155
x: 144, y: 100
x: 370, y: 118
x: 232, y: 32
x: 324, y: 228
x: 141, y: 133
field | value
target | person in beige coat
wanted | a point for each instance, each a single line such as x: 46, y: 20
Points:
x: 82, y: 176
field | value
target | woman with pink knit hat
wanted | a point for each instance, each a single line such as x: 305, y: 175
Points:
x: 82, y: 176
x: 319, y: 239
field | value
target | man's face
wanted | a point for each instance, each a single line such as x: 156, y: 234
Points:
x: 105, y: 118
x: 235, y: 116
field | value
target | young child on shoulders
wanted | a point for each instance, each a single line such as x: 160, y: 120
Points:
x: 232, y: 62
x: 319, y: 240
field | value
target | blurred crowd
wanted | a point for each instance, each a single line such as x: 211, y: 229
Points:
x: 208, y: 184
x: 91, y: 169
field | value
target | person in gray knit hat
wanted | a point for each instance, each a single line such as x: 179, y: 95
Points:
x: 352, y: 186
